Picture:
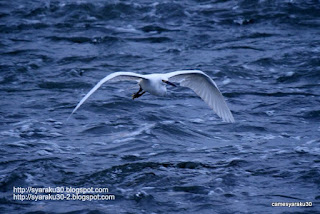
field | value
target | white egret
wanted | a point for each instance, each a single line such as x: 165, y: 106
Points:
x: 155, y: 84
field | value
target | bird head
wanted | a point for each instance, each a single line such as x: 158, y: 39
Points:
x: 169, y: 83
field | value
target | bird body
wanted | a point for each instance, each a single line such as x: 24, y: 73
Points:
x: 156, y: 84
x: 153, y: 84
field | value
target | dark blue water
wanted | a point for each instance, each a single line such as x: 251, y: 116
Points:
x: 161, y: 154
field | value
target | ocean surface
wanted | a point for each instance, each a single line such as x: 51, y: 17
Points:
x: 167, y: 154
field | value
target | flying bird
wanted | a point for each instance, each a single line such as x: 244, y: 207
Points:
x: 156, y: 84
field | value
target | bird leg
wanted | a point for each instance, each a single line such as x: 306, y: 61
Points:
x: 138, y: 94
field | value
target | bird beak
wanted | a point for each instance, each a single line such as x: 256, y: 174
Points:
x: 169, y: 83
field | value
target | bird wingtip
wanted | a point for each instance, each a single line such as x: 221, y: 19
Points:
x: 229, y: 119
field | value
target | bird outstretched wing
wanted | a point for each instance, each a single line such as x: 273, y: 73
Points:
x: 114, y: 77
x: 204, y: 87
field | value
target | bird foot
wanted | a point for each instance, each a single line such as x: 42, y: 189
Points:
x: 136, y: 95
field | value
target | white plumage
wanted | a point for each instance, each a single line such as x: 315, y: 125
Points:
x: 155, y: 84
